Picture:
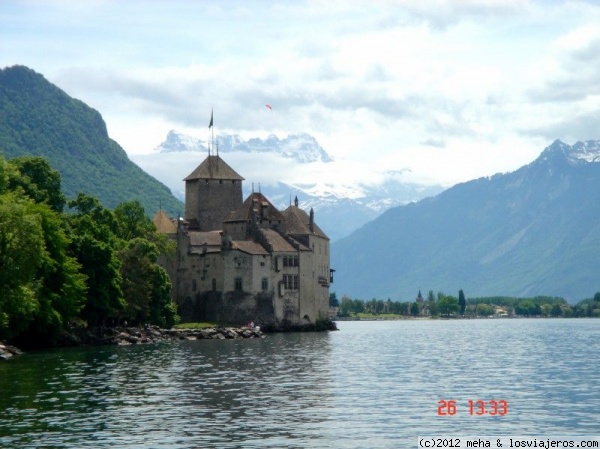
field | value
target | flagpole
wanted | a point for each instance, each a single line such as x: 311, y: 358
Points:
x: 211, y: 127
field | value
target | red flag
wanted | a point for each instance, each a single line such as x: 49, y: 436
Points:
x: 269, y: 106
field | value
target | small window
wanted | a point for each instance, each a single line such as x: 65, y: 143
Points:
x: 265, y: 284
x: 238, y: 284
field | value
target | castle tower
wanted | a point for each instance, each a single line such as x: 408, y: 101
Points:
x: 212, y: 191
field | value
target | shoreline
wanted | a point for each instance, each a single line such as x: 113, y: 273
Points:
x: 122, y: 336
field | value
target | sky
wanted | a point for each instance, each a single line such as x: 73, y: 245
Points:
x: 441, y: 91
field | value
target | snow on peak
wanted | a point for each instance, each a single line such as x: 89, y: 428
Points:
x: 578, y: 153
x: 302, y: 147
x: 177, y: 142
x: 588, y: 151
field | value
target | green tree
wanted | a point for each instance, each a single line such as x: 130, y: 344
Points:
x: 485, y: 310
x: 433, y: 308
x: 163, y: 311
x: 346, y: 306
x: 333, y: 301
x: 132, y: 221
x: 414, y: 309
x: 359, y: 306
x: 556, y: 310
x: 448, y: 305
x: 21, y: 254
x: 146, y: 286
x: 136, y: 264
x: 38, y: 180
x: 62, y: 287
x: 404, y: 308
x: 3, y: 175
x: 462, y: 302
x: 528, y: 307
x: 49, y: 289
x: 94, y: 244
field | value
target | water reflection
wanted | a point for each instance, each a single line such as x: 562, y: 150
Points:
x: 371, y: 385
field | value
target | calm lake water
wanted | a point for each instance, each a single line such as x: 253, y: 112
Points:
x: 369, y: 385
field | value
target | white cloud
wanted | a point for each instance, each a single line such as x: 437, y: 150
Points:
x: 447, y: 89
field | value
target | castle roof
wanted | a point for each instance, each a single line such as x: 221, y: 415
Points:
x: 250, y: 247
x: 204, y: 241
x: 256, y: 205
x: 198, y: 238
x: 213, y: 167
x: 278, y: 242
x: 298, y: 223
x: 163, y: 223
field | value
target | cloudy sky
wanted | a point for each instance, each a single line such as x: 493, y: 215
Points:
x: 443, y: 90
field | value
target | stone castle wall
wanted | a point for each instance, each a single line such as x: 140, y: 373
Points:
x: 209, y: 201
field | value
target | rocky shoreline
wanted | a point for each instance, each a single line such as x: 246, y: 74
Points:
x: 7, y: 351
x: 151, y: 334
x: 104, y: 336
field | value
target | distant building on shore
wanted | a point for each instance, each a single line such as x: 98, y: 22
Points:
x: 245, y: 261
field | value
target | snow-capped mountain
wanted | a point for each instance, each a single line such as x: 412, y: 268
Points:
x: 301, y: 147
x: 534, y: 231
x: 576, y: 154
x: 339, y: 208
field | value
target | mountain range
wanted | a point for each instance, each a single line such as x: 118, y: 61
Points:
x: 535, y: 231
x: 339, y: 209
x: 39, y: 119
x: 302, y: 148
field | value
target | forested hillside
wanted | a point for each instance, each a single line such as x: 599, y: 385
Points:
x: 39, y: 119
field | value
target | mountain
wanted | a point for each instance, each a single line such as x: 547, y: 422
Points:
x: 302, y: 148
x: 535, y: 231
x: 39, y: 119
x: 339, y: 209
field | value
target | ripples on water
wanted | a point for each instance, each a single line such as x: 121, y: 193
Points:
x: 370, y: 385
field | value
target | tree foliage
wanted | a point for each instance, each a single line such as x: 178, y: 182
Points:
x: 21, y: 253
x: 38, y: 180
x: 448, y: 305
x: 95, y: 246
x: 94, y: 264
x: 462, y: 302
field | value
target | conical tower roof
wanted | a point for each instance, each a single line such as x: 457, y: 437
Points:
x: 298, y: 222
x: 163, y: 223
x: 213, y: 167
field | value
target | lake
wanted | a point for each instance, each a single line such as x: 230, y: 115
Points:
x: 373, y: 384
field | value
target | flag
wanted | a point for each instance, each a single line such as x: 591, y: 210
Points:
x: 269, y: 106
x: 211, y: 119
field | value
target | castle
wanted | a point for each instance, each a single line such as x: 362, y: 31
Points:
x: 245, y: 261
